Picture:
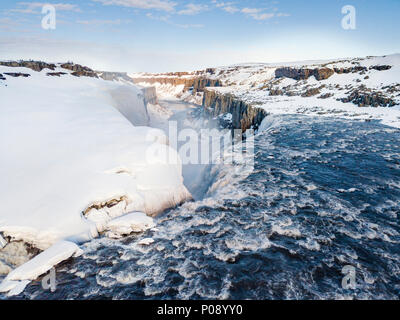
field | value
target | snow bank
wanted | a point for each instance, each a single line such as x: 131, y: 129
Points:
x: 18, y: 279
x: 68, y: 144
x: 134, y: 222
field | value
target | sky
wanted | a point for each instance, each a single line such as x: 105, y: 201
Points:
x: 176, y: 35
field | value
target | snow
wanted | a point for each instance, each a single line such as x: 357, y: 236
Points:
x: 146, y: 242
x: 43, y: 262
x: 165, y: 91
x: 72, y: 143
x: 247, y: 82
x: 130, y: 223
x: 18, y: 279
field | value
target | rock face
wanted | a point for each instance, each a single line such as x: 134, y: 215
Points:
x: 303, y: 74
x: 79, y: 71
x: 368, y: 99
x: 150, y: 95
x: 201, y: 83
x: 244, y: 115
x: 34, y: 65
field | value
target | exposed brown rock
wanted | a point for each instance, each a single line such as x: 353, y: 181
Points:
x: 311, y: 92
x: 34, y: 65
x: 55, y: 74
x: 373, y: 99
x: 304, y: 73
x: 79, y: 71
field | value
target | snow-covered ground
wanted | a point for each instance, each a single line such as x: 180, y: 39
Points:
x: 76, y: 154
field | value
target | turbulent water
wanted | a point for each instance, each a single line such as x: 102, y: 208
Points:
x: 324, y: 194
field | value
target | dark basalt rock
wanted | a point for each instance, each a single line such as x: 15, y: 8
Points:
x: 34, y: 65
x: 56, y: 74
x: 79, y: 71
x: 276, y: 92
x: 244, y: 115
x: 311, y: 92
x: 373, y: 99
x: 17, y: 74
x: 325, y: 96
x: 85, y: 74
x: 381, y: 68
x: 303, y: 74
x: 201, y: 83
x: 350, y: 70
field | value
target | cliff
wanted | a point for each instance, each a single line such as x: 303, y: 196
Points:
x: 244, y: 115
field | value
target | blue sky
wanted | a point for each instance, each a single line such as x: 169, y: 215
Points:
x: 175, y: 35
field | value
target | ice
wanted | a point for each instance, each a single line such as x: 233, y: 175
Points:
x: 146, y: 241
x: 133, y: 222
x: 43, y: 262
x: 18, y: 279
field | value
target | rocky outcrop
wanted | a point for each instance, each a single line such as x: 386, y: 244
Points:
x: 322, y: 73
x: 2, y: 77
x: 34, y: 65
x: 369, y: 99
x: 380, y: 68
x: 303, y: 73
x: 79, y: 71
x: 244, y: 115
x: 311, y: 92
x: 150, y: 95
x: 17, y: 74
x: 201, y: 83
x: 56, y: 74
x: 350, y: 70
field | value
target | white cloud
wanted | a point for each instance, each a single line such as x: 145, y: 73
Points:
x: 226, y: 6
x: 167, y: 19
x: 230, y: 9
x: 258, y: 14
x: 103, y: 22
x: 193, y: 9
x: 163, y: 5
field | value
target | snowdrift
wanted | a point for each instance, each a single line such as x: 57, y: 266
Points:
x: 75, y: 157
